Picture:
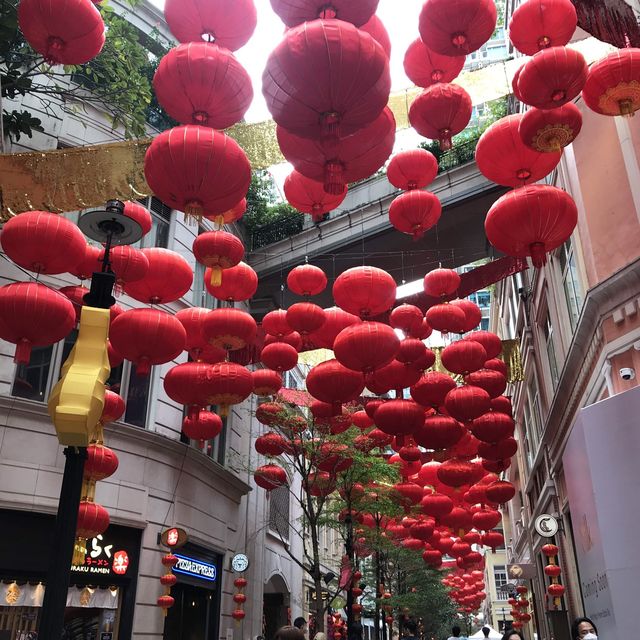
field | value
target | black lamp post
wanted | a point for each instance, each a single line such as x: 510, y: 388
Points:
x: 108, y: 226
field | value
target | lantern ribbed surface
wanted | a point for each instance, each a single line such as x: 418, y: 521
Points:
x: 295, y: 12
x: 412, y: 169
x: 364, y: 291
x: 415, y: 212
x: 425, y: 67
x: 309, y: 196
x: 239, y: 283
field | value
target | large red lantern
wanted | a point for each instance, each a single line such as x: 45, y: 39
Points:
x: 203, y: 83
x: 228, y: 23
x: 347, y: 159
x: 455, y: 472
x: 218, y: 250
x: 364, y: 291
x: 366, y: 346
x: 89, y: 264
x: 168, y: 278
x: 531, y: 221
x: 539, y: 24
x: 432, y: 389
x: 425, y: 67
x: 306, y: 280
x: 550, y: 130
x: 500, y: 491
x: 457, y: 27
x: 32, y: 315
x: 399, y: 417
x: 189, y: 384
x: 266, y: 382
x: 463, y: 356
x: 93, y: 519
x: 552, y: 77
x: 128, y: 263
x: 309, y: 196
x: 270, y: 477
x: 489, y: 340
x: 230, y: 384
x: 467, y: 402
x: 438, y: 432
x: 333, y: 383
x: 326, y: 77
x: 376, y: 29
x: 492, y: 426
x: 271, y: 444
x: 101, y: 462
x: 436, y: 505
x: 441, y: 283
x: 228, y: 328
x: 275, y: 323
x: 71, y: 32
x: 240, y: 283
x: 305, y: 317
x: 393, y: 376
x: 197, y: 170
x: 415, y: 212
x: 147, y: 337
x: 446, y: 317
x: 440, y: 112
x: 113, y: 408
x: 406, y: 317
x: 43, y: 242
x: 612, y: 84
x: 192, y: 319
x: 140, y: 214
x: 335, y: 321
x: 473, y: 315
x: 294, y: 12
x: 279, y: 356
x: 493, y: 382
x: 202, y: 426
x: 412, y: 169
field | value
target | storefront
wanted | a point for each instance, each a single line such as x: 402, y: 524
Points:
x: 101, y: 597
x: 196, y: 613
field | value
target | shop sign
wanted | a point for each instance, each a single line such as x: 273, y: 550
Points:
x: 102, y: 559
x: 195, y: 568
x: 174, y: 538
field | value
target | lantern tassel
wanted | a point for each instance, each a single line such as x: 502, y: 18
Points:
x: 143, y: 367
x: 193, y: 212
x: 538, y: 254
x: 79, y: 552
x: 216, y: 276
x: 23, y: 352
x: 333, y: 178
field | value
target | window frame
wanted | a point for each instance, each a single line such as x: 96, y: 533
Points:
x: 273, y: 516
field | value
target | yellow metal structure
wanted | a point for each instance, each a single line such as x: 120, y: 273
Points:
x: 77, y: 400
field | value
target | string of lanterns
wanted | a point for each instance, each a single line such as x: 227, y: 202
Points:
x: 555, y: 590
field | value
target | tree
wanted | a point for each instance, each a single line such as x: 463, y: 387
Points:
x: 263, y: 204
x: 117, y: 81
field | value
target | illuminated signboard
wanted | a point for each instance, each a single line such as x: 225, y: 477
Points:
x: 195, y: 568
x: 103, y: 559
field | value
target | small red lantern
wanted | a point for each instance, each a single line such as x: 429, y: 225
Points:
x: 240, y: 283
x: 550, y: 130
x: 239, y: 598
x: 399, y: 417
x: 493, y: 382
x: 113, y: 408
x: 467, y: 402
x: 412, y: 169
x: 271, y: 444
x: 463, y: 356
x: 432, y: 389
x: 437, y: 505
x: 331, y: 382
x: 446, y: 318
x: 425, y: 67
x: 165, y: 602
x: 93, y: 519
x: 140, y: 214
x: 270, y: 477
x: 611, y: 87
x: 364, y: 291
x: 550, y: 550
x: 307, y: 280
x: 279, y: 356
x: 101, y: 462
x: 128, y: 263
x: 305, y: 317
x: 440, y: 112
x: 458, y: 27
x: 493, y: 540
x: 69, y: 34
x: 240, y: 583
x: 230, y: 384
x: 309, y: 196
x: 439, y: 432
x: 552, y: 570
x: 218, y: 250
x: 472, y: 313
x: 415, y: 212
x: 366, y: 346
x: 441, y: 283
x: 228, y: 328
x: 539, y: 24
x: 486, y: 519
x: 266, y: 382
x: 492, y: 426
x: 406, y: 317
x: 500, y: 492
x: 192, y: 319
x: 556, y: 590
x: 168, y: 580
x: 202, y: 426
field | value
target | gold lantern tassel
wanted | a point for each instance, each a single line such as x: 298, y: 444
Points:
x: 79, y: 552
x: 216, y: 276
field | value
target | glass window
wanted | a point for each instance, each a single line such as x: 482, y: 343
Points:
x: 551, y: 350
x: 500, y: 578
x: 137, y: 399
x: 279, y: 512
x: 160, y: 224
x: 571, y: 282
x: 31, y: 379
x: 484, y: 298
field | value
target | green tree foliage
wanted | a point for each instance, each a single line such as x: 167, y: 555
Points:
x: 117, y: 81
x: 263, y: 205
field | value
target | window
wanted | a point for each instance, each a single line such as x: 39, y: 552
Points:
x: 279, y: 512
x: 161, y: 222
x: 32, y: 379
x: 571, y: 282
x: 547, y: 329
x: 137, y: 398
x: 500, y: 578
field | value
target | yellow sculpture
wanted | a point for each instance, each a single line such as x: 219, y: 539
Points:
x: 77, y: 400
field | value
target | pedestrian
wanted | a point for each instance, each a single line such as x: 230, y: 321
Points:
x: 409, y: 630
x: 455, y: 633
x: 584, y: 629
x: 289, y: 633
x: 512, y: 634
x: 486, y: 631
x: 320, y: 636
x: 301, y: 623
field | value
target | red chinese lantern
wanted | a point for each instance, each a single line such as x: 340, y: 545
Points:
x: 240, y: 283
x: 405, y: 317
x: 364, y: 291
x: 467, y: 402
x: 190, y: 384
x: 309, y: 196
x: 218, y: 250
x: 147, y: 337
x: 266, y: 382
x: 295, y: 12
x: 366, y: 346
x: 332, y: 382
x: 550, y: 550
x: 539, y: 24
x: 432, y: 389
x: 438, y: 432
x: 436, y: 505
x: 71, y: 32
x: 544, y: 216
x: 275, y: 323
x: 489, y: 340
x: 556, y: 590
x: 473, y: 315
x: 326, y: 77
x: 493, y: 540
x: 415, y: 212
x: 399, y: 417
x: 239, y: 598
x: 376, y: 29
x: 165, y: 602
x: 463, y: 356
x: 503, y: 158
x: 611, y: 87
x: 500, y: 491
x: 446, y: 317
x: 514, y: 83
x: 271, y: 444
x: 192, y: 319
x: 441, y: 283
x: 43, y: 242
x: 552, y: 77
x: 228, y: 328
x: 140, y: 214
x: 457, y: 27
x: 101, y: 462
x: 440, y: 112
x: 306, y: 279
x: 168, y: 580
x: 485, y: 519
x: 552, y: 570
x: 455, y: 472
x: 493, y: 382
x: 412, y: 169
x: 93, y: 519
x: 228, y: 23
x: 89, y: 264
x: 202, y: 426
x: 393, y: 376
x: 305, y: 317
x: 32, y: 315
x: 197, y: 170
x: 335, y: 321
x: 550, y: 130
x: 270, y: 476
x: 415, y: 353
x: 203, y: 83
x: 230, y: 215
x: 279, y: 356
x: 230, y: 384
x: 346, y: 159
x: 168, y: 278
x: 113, y: 408
x: 497, y: 451
x: 425, y: 67
x: 270, y: 413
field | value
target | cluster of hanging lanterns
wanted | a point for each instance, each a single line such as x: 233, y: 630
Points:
x: 555, y: 590
x: 239, y: 598
x: 520, y: 607
x: 466, y: 589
